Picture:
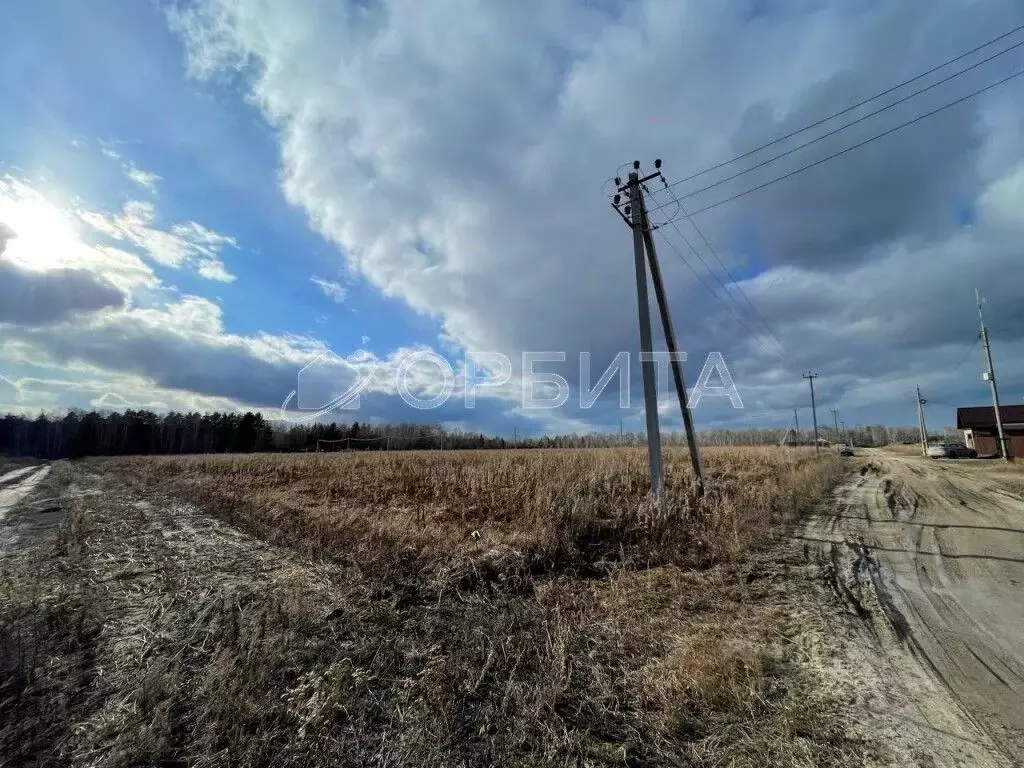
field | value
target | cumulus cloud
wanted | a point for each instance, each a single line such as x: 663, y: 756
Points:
x: 214, y: 269
x: 183, y: 348
x: 455, y: 155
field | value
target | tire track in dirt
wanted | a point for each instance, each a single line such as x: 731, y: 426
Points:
x: 943, y: 574
x: 13, y: 475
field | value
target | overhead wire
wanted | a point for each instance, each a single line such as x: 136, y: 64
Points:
x: 968, y: 352
x: 700, y: 280
x: 846, y: 150
x: 758, y: 337
x: 690, y: 214
x: 843, y: 127
x: 714, y: 253
x: 851, y: 108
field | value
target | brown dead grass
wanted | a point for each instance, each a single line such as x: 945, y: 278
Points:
x: 515, y: 608
x: 498, y: 513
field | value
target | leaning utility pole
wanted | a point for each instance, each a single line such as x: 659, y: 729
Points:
x: 670, y: 342
x: 920, y: 422
x: 811, y: 376
x: 990, y: 375
x: 643, y: 241
x: 796, y: 420
x: 835, y: 418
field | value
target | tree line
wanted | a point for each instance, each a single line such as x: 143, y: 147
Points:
x: 79, y: 433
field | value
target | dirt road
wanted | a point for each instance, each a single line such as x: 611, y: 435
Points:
x: 15, y: 486
x: 931, y: 553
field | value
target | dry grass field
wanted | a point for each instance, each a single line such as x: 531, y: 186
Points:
x: 420, y: 609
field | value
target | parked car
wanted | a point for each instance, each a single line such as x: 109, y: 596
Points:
x: 846, y: 450
x: 957, y: 451
x: 951, y: 451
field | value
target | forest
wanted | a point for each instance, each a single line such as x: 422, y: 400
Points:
x: 78, y: 433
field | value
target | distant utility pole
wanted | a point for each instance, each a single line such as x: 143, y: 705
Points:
x: 796, y: 420
x: 990, y: 375
x: 642, y: 241
x: 835, y: 418
x: 920, y: 422
x: 811, y: 376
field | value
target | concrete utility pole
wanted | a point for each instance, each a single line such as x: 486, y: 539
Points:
x: 990, y: 374
x: 835, y: 418
x: 670, y: 342
x: 644, y: 313
x: 811, y: 376
x: 920, y: 422
x: 644, y: 242
x: 796, y: 421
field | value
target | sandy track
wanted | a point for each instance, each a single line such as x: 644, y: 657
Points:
x: 932, y: 553
x: 10, y: 477
x: 12, y: 494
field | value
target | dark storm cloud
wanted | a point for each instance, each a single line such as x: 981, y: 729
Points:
x: 31, y: 297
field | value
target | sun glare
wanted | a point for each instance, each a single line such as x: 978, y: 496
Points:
x: 45, y: 236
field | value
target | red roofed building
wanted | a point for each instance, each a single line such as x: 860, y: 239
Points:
x: 980, y: 433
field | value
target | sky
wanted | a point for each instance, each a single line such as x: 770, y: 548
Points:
x: 372, y: 204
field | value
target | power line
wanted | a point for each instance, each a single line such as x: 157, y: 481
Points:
x: 859, y: 104
x: 858, y: 145
x: 675, y: 249
x: 968, y: 352
x: 725, y: 289
x: 841, y: 128
x: 714, y: 253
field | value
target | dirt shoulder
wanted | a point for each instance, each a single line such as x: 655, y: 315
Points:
x: 930, y: 553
